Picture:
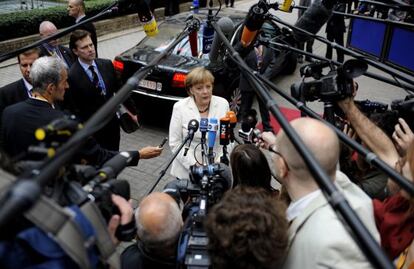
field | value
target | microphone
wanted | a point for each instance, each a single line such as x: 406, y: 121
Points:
x: 147, y: 19
x: 208, y: 35
x: 111, y: 168
x: 314, y: 18
x: 252, y: 24
x: 227, y: 27
x: 224, y: 131
x: 248, y: 126
x: 233, y: 121
x: 286, y: 6
x: 203, y: 127
x: 59, y: 129
x: 212, y: 132
x: 193, y: 24
x: 192, y: 128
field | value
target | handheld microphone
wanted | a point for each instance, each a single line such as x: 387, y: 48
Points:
x: 314, y: 18
x: 203, y: 127
x: 233, y: 121
x: 252, y: 24
x: 208, y: 35
x: 224, y: 131
x: 111, y: 168
x: 147, y: 19
x: 212, y: 132
x: 192, y: 128
x: 59, y: 129
x: 193, y: 24
x: 227, y: 27
x: 286, y: 6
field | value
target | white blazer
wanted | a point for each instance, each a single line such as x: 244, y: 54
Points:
x: 184, y: 111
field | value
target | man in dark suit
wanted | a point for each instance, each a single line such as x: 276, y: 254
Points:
x: 20, y: 89
x: 92, y: 82
x: 21, y: 119
x: 76, y: 9
x: 52, y: 47
x: 49, y: 77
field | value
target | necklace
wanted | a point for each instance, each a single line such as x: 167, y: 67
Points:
x: 205, y: 110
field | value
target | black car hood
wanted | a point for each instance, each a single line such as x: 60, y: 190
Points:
x: 144, y: 56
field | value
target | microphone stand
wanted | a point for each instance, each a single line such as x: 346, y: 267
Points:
x: 335, y: 198
x: 163, y: 171
x: 224, y: 159
x: 16, y: 52
x: 26, y: 191
x: 334, y: 45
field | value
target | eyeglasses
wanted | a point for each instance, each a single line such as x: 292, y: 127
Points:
x: 271, y: 149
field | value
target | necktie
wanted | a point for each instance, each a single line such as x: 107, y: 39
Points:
x: 95, y: 80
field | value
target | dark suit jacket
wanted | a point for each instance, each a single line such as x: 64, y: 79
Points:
x: 11, y: 94
x: 66, y: 54
x: 83, y: 100
x: 20, y: 122
x: 25, y: 117
x: 92, y: 30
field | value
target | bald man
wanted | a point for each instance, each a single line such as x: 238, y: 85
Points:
x: 159, y: 225
x: 318, y: 238
x: 52, y: 47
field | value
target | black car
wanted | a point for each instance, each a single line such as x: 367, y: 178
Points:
x: 166, y: 81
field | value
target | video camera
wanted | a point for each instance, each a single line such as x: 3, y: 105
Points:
x: 336, y: 85
x: 206, y: 186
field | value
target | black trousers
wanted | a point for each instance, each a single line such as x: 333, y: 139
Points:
x: 309, y: 47
x: 247, y: 98
x: 338, y: 37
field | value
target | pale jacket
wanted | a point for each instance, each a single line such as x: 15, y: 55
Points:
x: 319, y: 239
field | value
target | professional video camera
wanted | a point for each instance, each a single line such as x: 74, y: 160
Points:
x: 205, y: 188
x: 336, y: 85
x: 405, y: 109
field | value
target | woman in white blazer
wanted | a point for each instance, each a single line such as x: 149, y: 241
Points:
x: 201, y: 103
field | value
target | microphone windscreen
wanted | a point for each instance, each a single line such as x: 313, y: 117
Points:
x: 245, y: 126
x: 312, y: 20
x: 120, y: 187
x: 227, y: 27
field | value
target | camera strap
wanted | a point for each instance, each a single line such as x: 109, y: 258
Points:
x: 59, y: 222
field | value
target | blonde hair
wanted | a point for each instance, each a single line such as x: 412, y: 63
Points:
x: 198, y: 75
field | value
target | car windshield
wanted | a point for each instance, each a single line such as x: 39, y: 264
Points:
x: 167, y: 34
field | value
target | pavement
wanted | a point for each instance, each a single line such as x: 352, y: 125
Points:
x: 144, y: 175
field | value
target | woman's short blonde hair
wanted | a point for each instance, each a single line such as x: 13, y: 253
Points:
x: 198, y: 75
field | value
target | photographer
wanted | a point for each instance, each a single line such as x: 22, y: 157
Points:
x: 35, y: 248
x: 371, y: 135
x: 49, y: 78
x: 159, y: 224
